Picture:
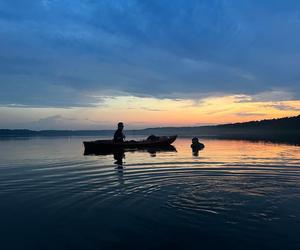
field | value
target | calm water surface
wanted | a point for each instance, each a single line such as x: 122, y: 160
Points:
x: 233, y: 195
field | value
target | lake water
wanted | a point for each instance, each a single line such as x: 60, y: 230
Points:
x: 232, y: 195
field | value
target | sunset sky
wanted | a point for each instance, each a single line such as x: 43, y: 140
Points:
x: 87, y: 64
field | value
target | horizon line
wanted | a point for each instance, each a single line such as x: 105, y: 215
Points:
x: 215, y: 125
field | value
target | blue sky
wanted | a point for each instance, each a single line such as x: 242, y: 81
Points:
x: 75, y: 53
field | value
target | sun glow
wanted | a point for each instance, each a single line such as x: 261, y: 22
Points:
x: 141, y: 112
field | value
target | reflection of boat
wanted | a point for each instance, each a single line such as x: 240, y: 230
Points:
x: 109, y: 145
x: 120, y: 151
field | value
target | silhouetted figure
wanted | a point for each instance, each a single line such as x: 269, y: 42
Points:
x: 195, y: 152
x: 196, y: 146
x: 119, y: 135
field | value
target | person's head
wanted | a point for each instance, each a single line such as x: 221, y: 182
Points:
x: 195, y: 140
x: 120, y: 125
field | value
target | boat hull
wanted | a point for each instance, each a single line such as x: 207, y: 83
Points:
x: 109, y: 145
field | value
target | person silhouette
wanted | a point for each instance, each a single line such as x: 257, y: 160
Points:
x: 196, y: 146
x: 195, y: 152
x: 119, y: 135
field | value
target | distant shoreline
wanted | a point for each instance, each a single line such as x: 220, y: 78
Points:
x: 290, y: 140
x: 277, y: 130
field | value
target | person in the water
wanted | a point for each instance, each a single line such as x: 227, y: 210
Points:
x: 119, y: 135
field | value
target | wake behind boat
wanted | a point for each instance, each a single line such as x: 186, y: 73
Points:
x: 107, y: 145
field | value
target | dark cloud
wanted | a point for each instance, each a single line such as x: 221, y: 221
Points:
x: 267, y: 96
x: 152, y: 109
x: 245, y: 114
x: 61, y: 53
x: 64, y: 122
x: 281, y: 106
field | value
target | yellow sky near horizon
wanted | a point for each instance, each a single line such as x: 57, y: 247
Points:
x: 142, y: 112
x: 213, y: 110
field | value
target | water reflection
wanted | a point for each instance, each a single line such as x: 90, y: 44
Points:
x: 119, y: 167
x: 151, y: 150
x: 234, y: 190
x: 195, y: 151
x: 119, y: 154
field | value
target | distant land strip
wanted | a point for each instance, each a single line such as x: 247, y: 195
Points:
x: 285, y: 129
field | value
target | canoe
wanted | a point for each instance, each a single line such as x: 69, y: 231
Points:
x: 107, y: 145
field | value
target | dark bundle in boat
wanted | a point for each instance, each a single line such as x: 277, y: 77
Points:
x: 110, y: 145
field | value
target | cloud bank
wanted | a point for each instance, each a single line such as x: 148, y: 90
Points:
x: 68, y: 53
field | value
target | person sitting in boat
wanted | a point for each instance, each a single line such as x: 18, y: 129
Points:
x: 119, y: 135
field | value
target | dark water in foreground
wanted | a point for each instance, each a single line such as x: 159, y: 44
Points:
x: 234, y: 195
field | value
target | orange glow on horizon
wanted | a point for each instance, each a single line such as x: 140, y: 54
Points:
x: 138, y: 112
x: 216, y: 110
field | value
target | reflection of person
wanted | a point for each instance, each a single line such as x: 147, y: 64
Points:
x: 119, y: 135
x: 119, y: 155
